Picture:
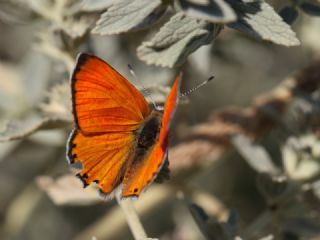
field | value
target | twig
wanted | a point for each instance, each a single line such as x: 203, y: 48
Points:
x: 132, y: 218
x: 158, y: 195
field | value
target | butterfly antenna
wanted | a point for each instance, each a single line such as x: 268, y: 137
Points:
x: 196, y: 87
x: 147, y: 93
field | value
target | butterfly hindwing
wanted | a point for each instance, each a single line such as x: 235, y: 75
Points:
x: 103, y: 157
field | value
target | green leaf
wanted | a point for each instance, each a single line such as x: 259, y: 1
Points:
x: 127, y: 15
x: 259, y: 19
x: 176, y: 40
x: 310, y: 8
x: 289, y: 14
x: 216, y: 11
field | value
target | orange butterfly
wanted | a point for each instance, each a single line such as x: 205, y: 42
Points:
x: 118, y: 139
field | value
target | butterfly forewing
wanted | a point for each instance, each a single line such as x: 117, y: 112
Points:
x: 169, y: 108
x: 103, y: 100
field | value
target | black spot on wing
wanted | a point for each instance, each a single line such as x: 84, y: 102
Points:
x: 83, y: 179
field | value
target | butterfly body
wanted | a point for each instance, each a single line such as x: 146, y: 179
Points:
x: 118, y: 139
x: 148, y: 134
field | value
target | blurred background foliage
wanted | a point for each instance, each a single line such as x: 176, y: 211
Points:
x: 245, y: 151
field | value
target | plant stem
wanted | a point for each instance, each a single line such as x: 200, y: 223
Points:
x: 132, y: 218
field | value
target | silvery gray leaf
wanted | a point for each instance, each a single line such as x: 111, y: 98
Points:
x: 96, y: 5
x: 76, y: 27
x: 272, y: 186
x: 217, y: 11
x: 35, y: 72
x: 259, y: 19
x: 21, y: 128
x: 289, y: 14
x: 311, y: 7
x: 126, y: 15
x: 210, y: 227
x: 177, y: 39
x: 255, y: 155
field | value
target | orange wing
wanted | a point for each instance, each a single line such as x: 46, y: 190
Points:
x: 107, y: 109
x: 141, y: 173
x: 169, y: 108
x: 103, y: 157
x: 103, y: 100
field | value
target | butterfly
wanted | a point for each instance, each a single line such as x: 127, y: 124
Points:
x: 120, y: 141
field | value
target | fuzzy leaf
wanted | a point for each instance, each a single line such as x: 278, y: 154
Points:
x: 20, y: 128
x: 34, y: 82
x: 96, y: 5
x: 302, y: 164
x: 59, y: 102
x: 177, y: 39
x: 216, y: 11
x: 272, y: 187
x: 314, y: 192
x: 68, y: 190
x: 6, y: 148
x: 289, y: 14
x: 13, y: 12
x: 268, y: 237
x: 127, y: 15
x: 256, y: 156
x: 259, y: 19
x: 313, y: 9
x: 210, y: 227
x: 56, y: 113
x: 76, y: 27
